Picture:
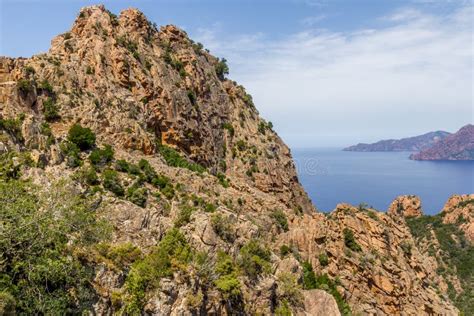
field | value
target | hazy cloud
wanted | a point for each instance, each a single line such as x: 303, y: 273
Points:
x: 332, y: 88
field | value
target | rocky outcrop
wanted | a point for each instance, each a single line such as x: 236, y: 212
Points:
x: 459, y: 210
x: 458, y: 146
x: 406, y: 206
x: 416, y: 143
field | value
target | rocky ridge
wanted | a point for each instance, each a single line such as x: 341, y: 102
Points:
x: 416, y: 143
x: 458, y: 146
x: 192, y: 165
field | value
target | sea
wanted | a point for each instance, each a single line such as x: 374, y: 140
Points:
x: 331, y: 176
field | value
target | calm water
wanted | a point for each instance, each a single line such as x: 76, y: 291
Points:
x: 331, y: 176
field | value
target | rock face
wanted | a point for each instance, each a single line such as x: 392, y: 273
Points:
x: 416, y: 143
x: 406, y: 206
x: 459, y: 210
x: 459, y: 146
x: 192, y: 160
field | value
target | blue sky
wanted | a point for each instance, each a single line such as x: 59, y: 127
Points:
x: 327, y: 73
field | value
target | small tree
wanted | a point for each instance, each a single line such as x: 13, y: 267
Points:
x: 82, y: 137
x: 222, y: 69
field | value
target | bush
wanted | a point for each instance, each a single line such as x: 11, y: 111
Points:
x: 82, y: 137
x: 311, y: 281
x: 40, y: 264
x: 172, y: 253
x: 122, y: 255
x: 88, y: 176
x: 223, y: 180
x: 223, y: 227
x: 350, y: 241
x: 284, y: 250
x: 100, y: 157
x: 112, y: 182
x: 12, y: 127
x: 230, y: 128
x: 222, y: 69
x: 227, y: 282
x: 192, y: 97
x: 174, y: 159
x: 137, y: 195
x: 184, y: 215
x: 24, y: 86
x: 45, y: 86
x: 280, y: 219
x: 323, y: 259
x: 72, y: 154
x: 254, y: 259
x: 50, y: 110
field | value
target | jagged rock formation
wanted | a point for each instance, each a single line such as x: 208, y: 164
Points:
x: 406, y: 206
x: 458, y: 146
x: 416, y: 143
x: 459, y: 210
x: 205, y: 209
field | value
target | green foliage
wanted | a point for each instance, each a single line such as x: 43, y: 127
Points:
x: 311, y: 281
x: 90, y: 70
x: 24, y: 86
x: 223, y: 180
x: 280, y: 219
x: 241, y: 145
x: 137, y: 195
x: 88, y: 175
x: 223, y: 227
x: 111, y: 182
x: 230, y: 128
x: 100, y: 157
x: 456, y: 252
x: 82, y: 137
x: 221, y: 68
x: 12, y: 127
x: 72, y: 154
x: 30, y: 70
x: 124, y: 166
x: 174, y: 159
x: 184, y: 215
x: 254, y: 259
x: 192, y: 97
x: 39, y: 266
x: 122, y: 255
x: 323, y: 259
x: 283, y: 309
x: 284, y: 250
x: 350, y: 241
x: 227, y: 282
x: 50, y: 110
x: 45, y: 86
x: 290, y: 290
x: 171, y: 254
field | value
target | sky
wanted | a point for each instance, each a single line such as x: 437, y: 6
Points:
x: 327, y: 73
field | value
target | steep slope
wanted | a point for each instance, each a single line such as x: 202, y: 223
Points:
x: 415, y: 143
x: 459, y: 146
x: 135, y: 178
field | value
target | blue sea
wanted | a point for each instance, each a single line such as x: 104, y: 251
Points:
x: 331, y: 176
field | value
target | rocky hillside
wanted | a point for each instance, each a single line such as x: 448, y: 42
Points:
x: 136, y: 179
x: 416, y: 143
x: 458, y: 146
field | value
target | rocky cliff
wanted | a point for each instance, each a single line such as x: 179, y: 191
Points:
x: 458, y: 146
x: 416, y: 143
x: 135, y: 178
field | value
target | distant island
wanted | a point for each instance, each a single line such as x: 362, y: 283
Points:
x: 457, y: 146
x: 416, y: 143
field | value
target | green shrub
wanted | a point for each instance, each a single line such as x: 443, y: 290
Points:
x: 88, y: 176
x: 12, y: 127
x: 137, y: 195
x: 122, y: 255
x: 230, y: 128
x: 284, y: 250
x: 184, y: 215
x: 223, y: 180
x: 24, y: 86
x: 227, y: 282
x: 241, y: 145
x: 112, y: 182
x: 42, y: 237
x: 280, y: 219
x: 323, y: 259
x: 222, y: 69
x: 254, y: 259
x: 174, y: 159
x: 71, y: 153
x: 100, y: 157
x: 223, y: 227
x: 82, y: 137
x: 350, y: 241
x: 172, y: 253
x: 283, y: 309
x: 45, y: 86
x: 311, y: 281
x: 192, y: 97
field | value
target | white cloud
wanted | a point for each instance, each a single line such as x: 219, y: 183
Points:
x: 312, y: 20
x: 322, y: 88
